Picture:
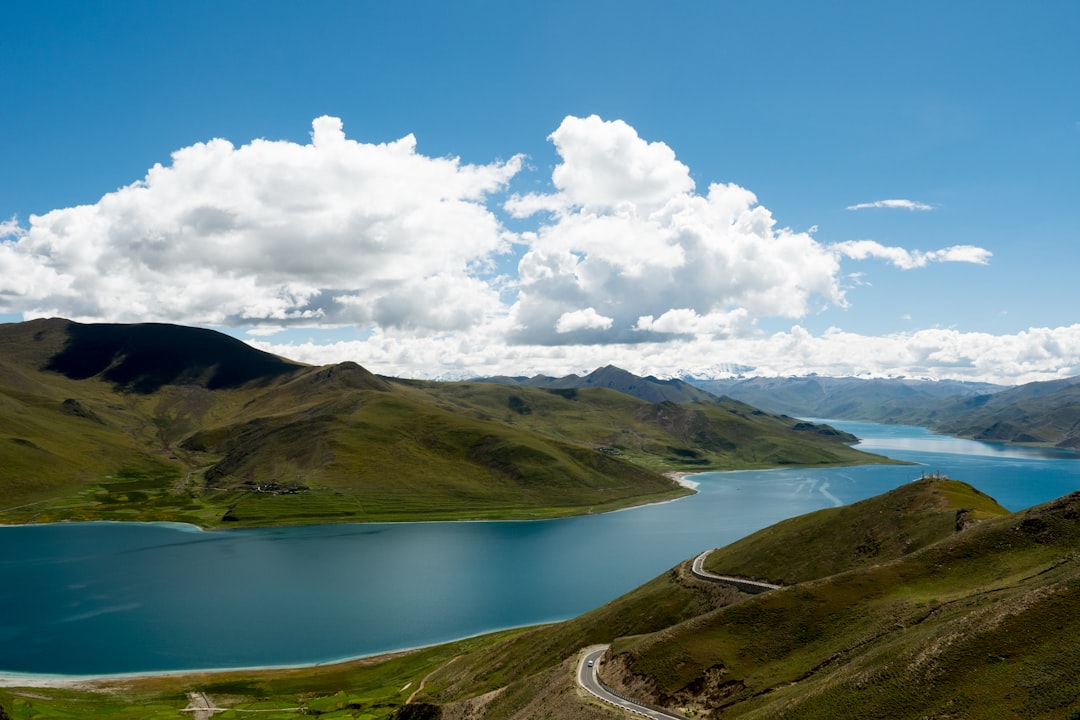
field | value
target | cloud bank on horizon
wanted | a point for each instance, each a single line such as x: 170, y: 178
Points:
x: 624, y: 259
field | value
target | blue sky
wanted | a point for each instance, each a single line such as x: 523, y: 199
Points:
x: 449, y: 189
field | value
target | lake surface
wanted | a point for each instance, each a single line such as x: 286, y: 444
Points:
x: 105, y: 598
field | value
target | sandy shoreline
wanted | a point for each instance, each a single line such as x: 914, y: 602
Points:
x: 102, y: 682
x: 680, y: 477
x: 47, y: 681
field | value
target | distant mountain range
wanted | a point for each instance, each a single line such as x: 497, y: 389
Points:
x: 648, y: 388
x: 157, y: 421
x: 1039, y: 413
x: 163, y: 422
x: 875, y: 400
x: 1046, y: 413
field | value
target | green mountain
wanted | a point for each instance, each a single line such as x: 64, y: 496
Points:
x: 1044, y: 413
x: 161, y: 422
x: 927, y: 601
x: 979, y: 624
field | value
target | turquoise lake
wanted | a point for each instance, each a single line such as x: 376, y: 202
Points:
x: 107, y: 598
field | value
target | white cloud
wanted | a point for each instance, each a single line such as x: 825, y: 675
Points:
x: 631, y: 239
x: 264, y: 330
x: 1033, y: 355
x: 684, y: 321
x: 587, y: 319
x: 11, y: 229
x: 903, y: 204
x: 606, y: 165
x: 961, y: 253
x: 336, y: 229
x: 910, y: 259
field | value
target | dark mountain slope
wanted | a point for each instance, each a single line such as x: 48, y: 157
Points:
x: 144, y: 358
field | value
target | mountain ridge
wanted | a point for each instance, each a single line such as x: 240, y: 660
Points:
x: 1041, y: 413
x: 144, y: 357
x: 648, y: 388
x: 161, y: 422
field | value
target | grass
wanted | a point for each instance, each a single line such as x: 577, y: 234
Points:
x: 363, y: 689
x: 872, y: 531
x: 702, y: 436
x: 907, y: 627
x: 666, y: 600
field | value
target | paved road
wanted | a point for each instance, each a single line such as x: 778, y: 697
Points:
x: 588, y: 679
x: 590, y: 658
x: 750, y: 586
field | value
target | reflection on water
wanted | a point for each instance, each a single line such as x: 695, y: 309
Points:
x: 93, y: 598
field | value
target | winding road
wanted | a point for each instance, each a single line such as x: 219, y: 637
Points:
x: 748, y: 586
x: 587, y: 678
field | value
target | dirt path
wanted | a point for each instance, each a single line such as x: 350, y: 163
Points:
x: 200, y: 707
x: 424, y: 681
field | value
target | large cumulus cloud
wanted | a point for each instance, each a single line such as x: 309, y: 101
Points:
x: 335, y: 230
x: 629, y: 240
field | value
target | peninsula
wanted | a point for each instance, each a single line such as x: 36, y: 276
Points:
x: 165, y: 422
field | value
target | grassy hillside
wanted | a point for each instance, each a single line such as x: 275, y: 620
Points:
x: 723, y: 434
x: 872, y: 531
x: 982, y: 623
x: 156, y: 422
x: 374, y: 689
x: 964, y: 611
x: 911, y: 517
